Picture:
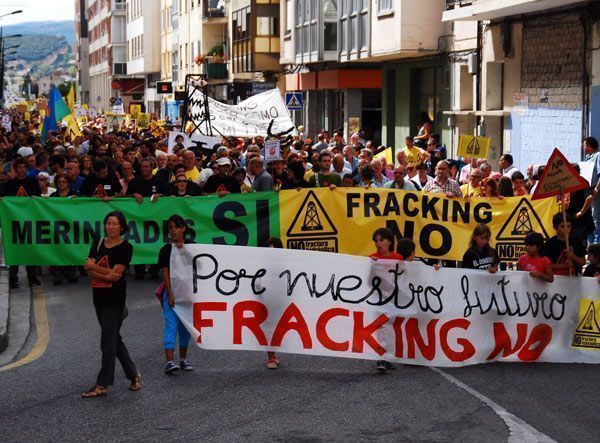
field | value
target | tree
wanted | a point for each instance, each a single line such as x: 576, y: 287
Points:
x: 64, y: 88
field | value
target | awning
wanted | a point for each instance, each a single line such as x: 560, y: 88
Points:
x: 496, y: 9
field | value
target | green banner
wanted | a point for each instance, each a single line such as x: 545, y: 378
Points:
x: 59, y: 231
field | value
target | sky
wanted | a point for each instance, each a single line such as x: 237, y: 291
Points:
x: 36, y: 10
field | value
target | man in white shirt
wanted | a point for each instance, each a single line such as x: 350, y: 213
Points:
x: 506, y: 164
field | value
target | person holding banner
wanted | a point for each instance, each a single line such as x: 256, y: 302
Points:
x: 480, y: 254
x: 173, y: 326
x: 107, y: 261
x: 384, y: 245
x: 566, y: 252
x: 533, y: 261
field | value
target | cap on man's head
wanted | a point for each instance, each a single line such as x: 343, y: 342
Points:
x: 308, y: 141
x: 223, y: 161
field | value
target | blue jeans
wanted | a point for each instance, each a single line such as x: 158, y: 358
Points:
x: 595, y: 237
x: 173, y: 326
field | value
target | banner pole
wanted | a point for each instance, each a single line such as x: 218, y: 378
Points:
x: 564, y: 217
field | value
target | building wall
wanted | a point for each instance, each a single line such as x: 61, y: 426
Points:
x: 552, y: 76
x: 595, y: 81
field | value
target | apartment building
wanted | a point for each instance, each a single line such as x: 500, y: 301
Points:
x: 107, y: 51
x: 143, y: 55
x: 81, y: 51
x: 525, y: 73
x: 190, y: 29
x: 370, y: 64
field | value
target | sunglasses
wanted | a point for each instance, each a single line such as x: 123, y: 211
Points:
x: 181, y: 181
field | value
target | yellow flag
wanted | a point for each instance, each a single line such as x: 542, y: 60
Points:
x: 72, y: 126
x: 71, y: 98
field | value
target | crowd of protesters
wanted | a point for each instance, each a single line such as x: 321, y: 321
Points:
x: 135, y: 164
x: 138, y: 165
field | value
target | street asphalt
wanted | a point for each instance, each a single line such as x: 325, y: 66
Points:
x: 231, y: 396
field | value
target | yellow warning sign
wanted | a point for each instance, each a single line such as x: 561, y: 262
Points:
x: 587, y: 334
x: 135, y: 111
x: 312, y: 228
x: 471, y: 146
x: 144, y: 121
x: 522, y: 220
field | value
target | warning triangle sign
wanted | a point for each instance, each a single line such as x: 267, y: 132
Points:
x: 99, y: 191
x: 559, y: 177
x: 311, y: 219
x: 589, y: 323
x: 522, y: 220
x: 473, y: 148
x: 293, y: 103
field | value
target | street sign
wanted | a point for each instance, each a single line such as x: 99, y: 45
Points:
x: 293, y: 101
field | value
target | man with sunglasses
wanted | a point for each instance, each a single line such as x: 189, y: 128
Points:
x: 399, y: 182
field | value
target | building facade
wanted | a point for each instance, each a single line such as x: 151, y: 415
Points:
x: 81, y: 51
x: 360, y: 62
x: 107, y: 51
x: 525, y: 74
x: 234, y: 44
x: 143, y: 55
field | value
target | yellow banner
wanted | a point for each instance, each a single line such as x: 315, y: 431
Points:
x: 343, y: 220
x: 471, y: 146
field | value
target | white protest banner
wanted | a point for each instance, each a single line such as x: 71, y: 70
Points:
x: 272, y: 150
x: 241, y: 298
x: 171, y: 140
x: 6, y: 122
x: 206, y: 141
x: 189, y: 142
x: 249, y: 118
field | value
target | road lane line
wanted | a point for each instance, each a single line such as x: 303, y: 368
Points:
x: 519, y: 431
x: 42, y: 330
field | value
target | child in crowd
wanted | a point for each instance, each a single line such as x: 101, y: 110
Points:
x: 564, y: 261
x: 384, y: 245
x: 272, y: 360
x: 532, y: 261
x: 518, y: 182
x: 593, y: 269
x: 173, y: 326
x: 480, y: 254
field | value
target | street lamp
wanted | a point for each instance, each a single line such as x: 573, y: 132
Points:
x: 18, y: 11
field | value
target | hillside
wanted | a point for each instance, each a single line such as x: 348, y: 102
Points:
x: 64, y: 28
x: 43, y: 47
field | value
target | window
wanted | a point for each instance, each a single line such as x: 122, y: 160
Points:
x: 267, y: 26
x: 385, y: 5
x: 330, y: 25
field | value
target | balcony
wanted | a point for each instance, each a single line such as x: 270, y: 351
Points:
x: 463, y: 10
x: 215, y: 71
x: 214, y: 11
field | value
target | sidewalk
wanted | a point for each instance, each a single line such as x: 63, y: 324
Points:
x: 4, y: 309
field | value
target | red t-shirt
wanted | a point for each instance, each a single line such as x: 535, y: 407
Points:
x: 527, y: 263
x: 392, y: 256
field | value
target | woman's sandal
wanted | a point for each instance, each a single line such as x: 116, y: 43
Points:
x: 95, y: 391
x: 136, y: 383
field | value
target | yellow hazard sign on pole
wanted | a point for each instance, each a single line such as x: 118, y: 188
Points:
x: 471, y: 146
